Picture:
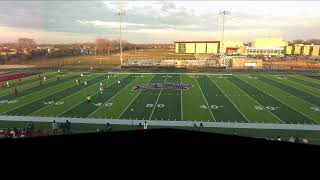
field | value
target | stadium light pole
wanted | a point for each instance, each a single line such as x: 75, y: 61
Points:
x: 120, y: 13
x: 223, y: 14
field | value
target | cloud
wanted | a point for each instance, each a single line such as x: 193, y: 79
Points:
x: 112, y: 24
x: 159, y: 20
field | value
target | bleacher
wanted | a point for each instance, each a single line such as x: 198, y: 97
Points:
x: 203, y: 57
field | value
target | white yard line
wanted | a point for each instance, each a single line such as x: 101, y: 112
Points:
x: 85, y: 100
x: 129, y: 104
x: 155, y: 104
x: 309, y: 88
x: 266, y: 92
x: 125, y: 88
x: 256, y: 102
x: 132, y: 101
x: 290, y: 93
x: 230, y: 100
x: 31, y: 85
x: 181, y: 111
x: 204, y: 98
x: 40, y: 97
x: 283, y: 82
x: 65, y: 97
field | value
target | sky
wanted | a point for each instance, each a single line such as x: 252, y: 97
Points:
x: 157, y: 21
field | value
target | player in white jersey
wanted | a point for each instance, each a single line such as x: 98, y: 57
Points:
x: 101, y: 89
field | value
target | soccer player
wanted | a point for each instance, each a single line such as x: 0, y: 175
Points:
x: 81, y: 75
x: 108, y: 77
x: 118, y: 83
x: 85, y: 83
x: 77, y: 81
x: 8, y: 84
x: 88, y: 99
x: 101, y: 89
x: 58, y: 78
x: 44, y: 78
x: 15, y: 91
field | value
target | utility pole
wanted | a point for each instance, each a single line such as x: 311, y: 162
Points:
x: 120, y: 13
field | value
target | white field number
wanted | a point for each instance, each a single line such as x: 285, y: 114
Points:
x: 203, y: 107
x: 8, y: 102
x: 97, y: 104
x: 212, y: 106
x: 151, y: 105
x: 108, y: 104
x: 315, y: 109
x: 271, y: 108
x: 282, y: 77
x: 53, y: 103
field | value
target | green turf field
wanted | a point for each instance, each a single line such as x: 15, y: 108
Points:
x: 243, y: 98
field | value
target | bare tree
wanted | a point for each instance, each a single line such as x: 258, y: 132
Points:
x: 298, y: 41
x: 26, y: 44
x: 102, y: 45
x: 313, y: 41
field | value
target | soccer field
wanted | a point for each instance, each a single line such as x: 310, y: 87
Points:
x: 226, y: 98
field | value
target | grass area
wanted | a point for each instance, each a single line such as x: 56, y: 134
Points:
x: 79, y: 60
x: 223, y: 98
x: 241, y: 97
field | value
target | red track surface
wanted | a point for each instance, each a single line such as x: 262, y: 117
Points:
x: 14, y: 76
